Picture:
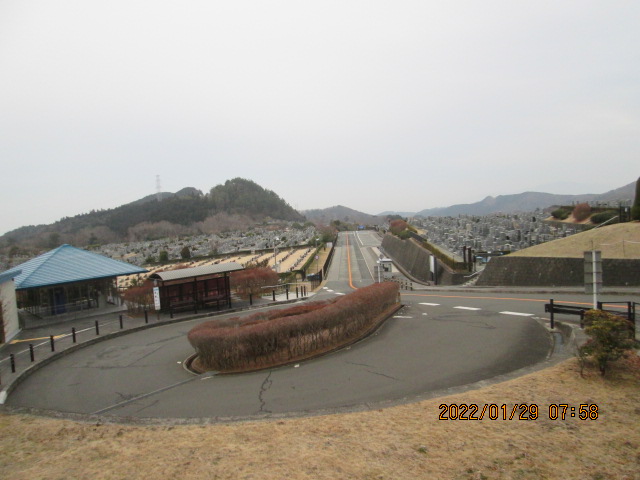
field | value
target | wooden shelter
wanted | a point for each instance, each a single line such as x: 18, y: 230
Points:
x: 195, y: 288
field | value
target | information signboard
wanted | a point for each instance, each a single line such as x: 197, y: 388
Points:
x: 156, y: 298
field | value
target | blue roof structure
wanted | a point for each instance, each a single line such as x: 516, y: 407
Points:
x: 67, y: 264
x: 9, y: 275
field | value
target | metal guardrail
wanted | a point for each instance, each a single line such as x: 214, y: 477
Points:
x: 553, y: 308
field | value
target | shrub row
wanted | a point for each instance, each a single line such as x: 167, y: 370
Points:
x: 602, y: 217
x: 561, y: 213
x: 269, y: 338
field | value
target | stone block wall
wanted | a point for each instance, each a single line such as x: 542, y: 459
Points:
x: 555, y: 272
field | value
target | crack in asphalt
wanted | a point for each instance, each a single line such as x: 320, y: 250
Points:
x: 384, y: 375
x: 266, y: 385
x: 126, y: 396
x: 155, y: 392
x: 373, y: 371
x: 359, y: 364
x: 152, y: 404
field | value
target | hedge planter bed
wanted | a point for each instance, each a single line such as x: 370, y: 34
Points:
x: 269, y: 339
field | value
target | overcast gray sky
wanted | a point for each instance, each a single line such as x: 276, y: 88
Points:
x: 376, y: 105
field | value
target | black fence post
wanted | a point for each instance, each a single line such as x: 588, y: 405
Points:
x: 12, y: 358
x: 146, y: 316
x: 170, y: 312
x: 53, y: 346
x: 273, y: 294
x: 250, y: 298
x: 287, y: 291
x: 73, y: 334
x: 296, y: 291
x: 551, y: 310
x: 120, y: 320
x: 31, y: 355
x: 97, y: 328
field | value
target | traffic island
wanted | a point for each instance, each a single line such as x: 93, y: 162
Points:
x: 271, y: 339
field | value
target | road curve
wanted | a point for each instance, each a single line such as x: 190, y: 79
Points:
x: 434, y: 343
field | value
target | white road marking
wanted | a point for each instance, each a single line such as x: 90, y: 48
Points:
x: 430, y: 304
x: 329, y: 290
x: 468, y: 308
x: 340, y: 293
x: 401, y: 316
x: 518, y: 314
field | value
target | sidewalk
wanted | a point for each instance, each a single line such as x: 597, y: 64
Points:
x: 39, y: 340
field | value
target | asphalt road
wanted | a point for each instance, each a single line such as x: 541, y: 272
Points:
x: 440, y: 340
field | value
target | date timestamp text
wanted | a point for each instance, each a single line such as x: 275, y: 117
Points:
x: 518, y: 411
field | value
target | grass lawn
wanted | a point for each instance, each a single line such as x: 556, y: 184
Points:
x: 403, y: 442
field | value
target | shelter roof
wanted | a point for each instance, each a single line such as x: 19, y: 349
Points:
x: 67, y: 264
x: 197, y: 271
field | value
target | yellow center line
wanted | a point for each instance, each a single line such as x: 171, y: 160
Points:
x: 349, y: 264
x: 36, y: 339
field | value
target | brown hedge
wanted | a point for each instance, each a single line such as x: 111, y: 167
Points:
x: 278, y: 336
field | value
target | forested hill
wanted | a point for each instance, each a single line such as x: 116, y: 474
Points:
x: 189, y: 208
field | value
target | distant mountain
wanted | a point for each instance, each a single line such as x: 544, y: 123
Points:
x: 187, y: 211
x: 343, y: 214
x: 527, y: 202
x: 185, y: 192
x: 402, y: 214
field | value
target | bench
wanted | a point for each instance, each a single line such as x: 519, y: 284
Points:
x: 214, y: 299
x: 182, y: 305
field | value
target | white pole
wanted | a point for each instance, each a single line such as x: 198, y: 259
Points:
x: 594, y: 278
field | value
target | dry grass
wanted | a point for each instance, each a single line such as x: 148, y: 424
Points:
x: 404, y: 442
x: 615, y: 241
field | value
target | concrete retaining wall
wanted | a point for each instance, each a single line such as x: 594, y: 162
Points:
x: 556, y: 272
x: 415, y: 260
x: 410, y: 256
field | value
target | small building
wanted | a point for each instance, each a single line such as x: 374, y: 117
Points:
x: 196, y: 287
x: 9, y: 325
x: 67, y: 280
